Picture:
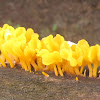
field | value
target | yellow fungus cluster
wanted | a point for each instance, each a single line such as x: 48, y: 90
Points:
x: 48, y: 54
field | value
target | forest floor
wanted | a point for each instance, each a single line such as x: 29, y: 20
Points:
x: 16, y: 84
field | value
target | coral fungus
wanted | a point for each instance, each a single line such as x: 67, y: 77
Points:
x: 48, y: 54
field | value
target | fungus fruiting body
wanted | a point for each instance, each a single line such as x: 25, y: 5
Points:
x: 21, y: 46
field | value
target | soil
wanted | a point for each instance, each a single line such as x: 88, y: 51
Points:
x: 16, y: 84
x: 73, y: 19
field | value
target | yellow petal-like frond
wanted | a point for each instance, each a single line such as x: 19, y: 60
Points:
x: 28, y: 34
x: 66, y: 54
x: 51, y: 58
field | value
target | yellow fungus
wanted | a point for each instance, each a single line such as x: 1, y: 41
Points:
x: 76, y: 79
x: 84, y: 73
x: 21, y: 46
x: 45, y: 74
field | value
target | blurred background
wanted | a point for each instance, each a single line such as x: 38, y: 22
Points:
x: 73, y: 19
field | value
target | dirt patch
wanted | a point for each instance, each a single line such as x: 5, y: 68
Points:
x: 16, y: 84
